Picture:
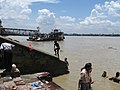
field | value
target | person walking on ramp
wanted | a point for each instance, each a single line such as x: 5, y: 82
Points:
x: 56, y: 48
x: 8, y: 55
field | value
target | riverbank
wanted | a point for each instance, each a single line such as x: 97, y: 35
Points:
x: 102, y: 52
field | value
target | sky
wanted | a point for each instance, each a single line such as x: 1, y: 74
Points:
x: 70, y: 16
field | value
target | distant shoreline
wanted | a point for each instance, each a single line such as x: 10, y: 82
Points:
x: 112, y: 35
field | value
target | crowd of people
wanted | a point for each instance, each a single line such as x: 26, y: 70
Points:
x: 85, y: 80
x: 116, y: 78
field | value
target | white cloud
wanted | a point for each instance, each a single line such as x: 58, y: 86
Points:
x: 103, y: 19
x: 47, y: 1
x: 46, y: 20
x: 67, y: 18
x: 18, y: 11
x: 15, y: 13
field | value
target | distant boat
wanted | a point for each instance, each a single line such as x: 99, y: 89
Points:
x: 56, y: 34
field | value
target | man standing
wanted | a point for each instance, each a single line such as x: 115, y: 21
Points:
x: 7, y: 50
x: 56, y: 48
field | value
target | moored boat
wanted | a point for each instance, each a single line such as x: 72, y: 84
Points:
x: 55, y: 35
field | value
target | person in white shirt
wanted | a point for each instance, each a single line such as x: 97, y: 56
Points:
x: 8, y: 55
x: 15, y: 71
x: 85, y: 79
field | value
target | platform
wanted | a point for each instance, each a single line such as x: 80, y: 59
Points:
x: 19, y: 84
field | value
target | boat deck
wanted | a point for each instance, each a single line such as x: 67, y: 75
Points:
x: 18, y: 84
x: 8, y: 83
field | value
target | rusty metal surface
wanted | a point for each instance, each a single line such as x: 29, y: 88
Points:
x: 34, y: 61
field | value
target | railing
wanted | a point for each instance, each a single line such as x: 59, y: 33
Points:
x: 15, y: 31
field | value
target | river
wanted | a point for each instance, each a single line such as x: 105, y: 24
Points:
x: 102, y: 52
